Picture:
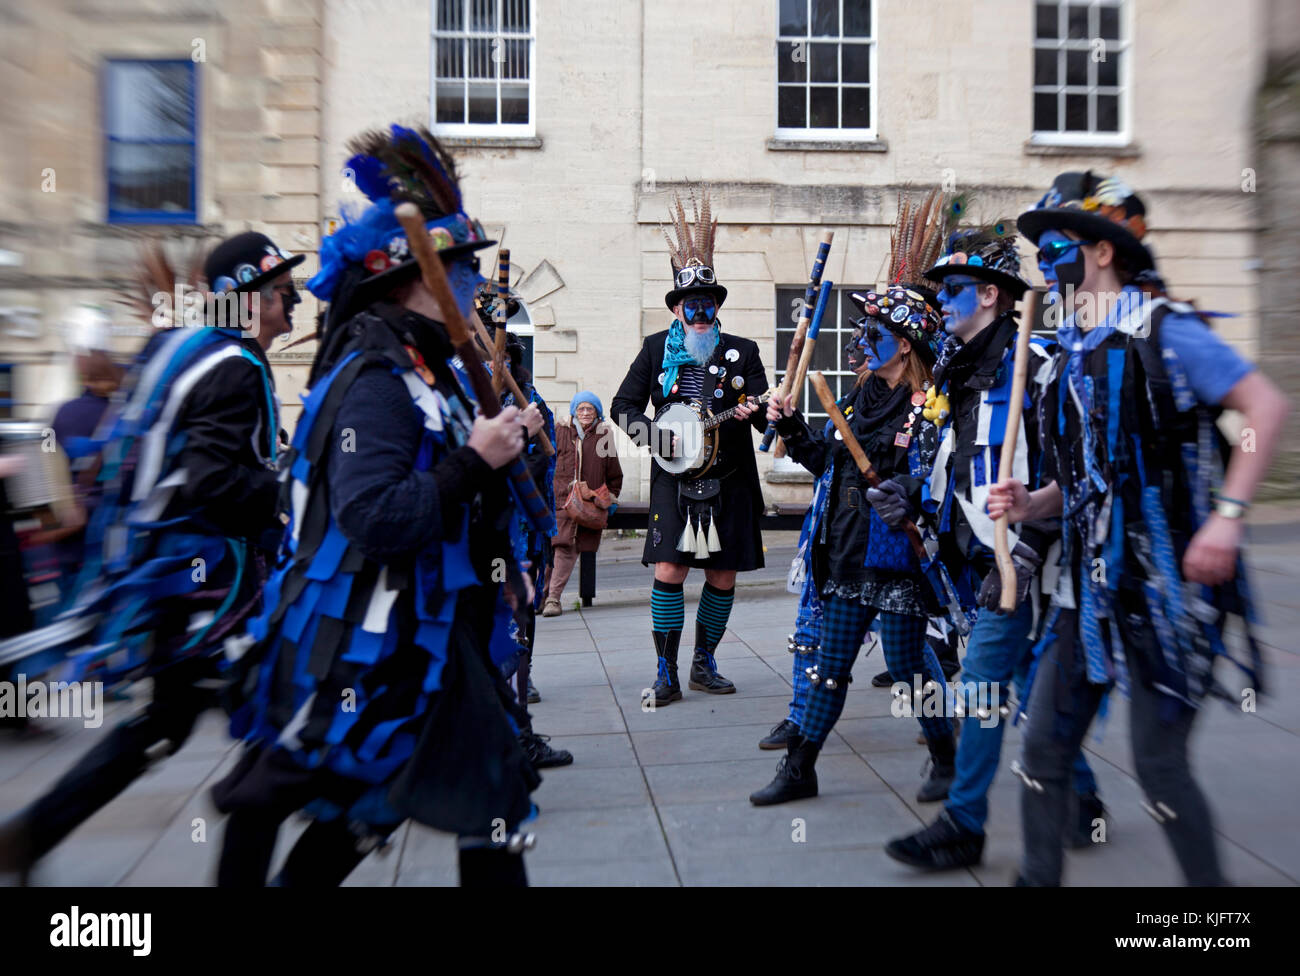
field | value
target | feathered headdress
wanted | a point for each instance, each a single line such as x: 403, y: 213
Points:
x: 986, y: 252
x: 156, y: 277
x: 920, y: 233
x: 405, y: 165
x: 691, y: 246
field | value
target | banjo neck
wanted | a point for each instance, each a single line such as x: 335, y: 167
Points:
x: 718, y: 418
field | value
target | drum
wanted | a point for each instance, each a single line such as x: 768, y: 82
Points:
x: 44, y: 481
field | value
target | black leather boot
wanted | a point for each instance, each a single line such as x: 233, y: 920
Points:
x: 943, y: 770
x: 942, y: 845
x: 796, y: 777
x: 704, y: 670
x: 666, y: 687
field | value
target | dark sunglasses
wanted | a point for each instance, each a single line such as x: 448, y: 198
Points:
x: 953, y: 288
x: 1053, y: 252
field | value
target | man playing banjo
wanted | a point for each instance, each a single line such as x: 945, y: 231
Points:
x: 705, y: 499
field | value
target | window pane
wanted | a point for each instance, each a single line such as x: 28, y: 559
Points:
x: 1045, y: 66
x: 514, y: 14
x: 1107, y: 113
x: 794, y: 18
x: 857, y: 18
x: 1108, y: 70
x: 150, y: 101
x: 790, y: 113
x: 482, y: 15
x: 483, y: 104
x: 515, y: 64
x: 150, y: 178
x: 480, y: 58
x: 857, y: 108
x: 451, y: 58
x: 857, y: 62
x: 826, y: 18
x: 451, y: 14
x: 824, y: 62
x: 1045, y: 21
x: 451, y: 103
x: 1109, y: 23
x: 787, y: 68
x: 1077, y: 22
x: 824, y: 108
x: 1076, y: 67
x: 1076, y: 113
x: 1045, y: 112
x: 514, y: 104
x: 826, y: 355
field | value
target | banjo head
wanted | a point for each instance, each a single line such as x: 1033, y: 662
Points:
x: 683, y: 421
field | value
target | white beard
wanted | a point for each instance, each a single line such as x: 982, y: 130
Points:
x: 700, y: 346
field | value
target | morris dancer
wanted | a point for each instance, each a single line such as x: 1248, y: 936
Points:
x: 709, y: 522
x: 862, y: 560
x: 186, y: 525
x: 369, y: 694
x: 982, y: 283
x: 1152, y: 523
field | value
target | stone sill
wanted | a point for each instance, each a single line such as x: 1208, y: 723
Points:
x: 1128, y: 151
x: 491, y: 142
x: 789, y: 478
x: 826, y: 145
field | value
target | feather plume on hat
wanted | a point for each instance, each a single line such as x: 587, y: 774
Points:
x: 919, y: 234
x: 691, y: 246
x: 157, y: 276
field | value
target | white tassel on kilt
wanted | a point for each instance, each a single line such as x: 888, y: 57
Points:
x: 715, y: 544
x: 687, y: 541
x: 701, y: 540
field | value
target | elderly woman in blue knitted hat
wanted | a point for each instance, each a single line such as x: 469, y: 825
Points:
x: 584, y: 451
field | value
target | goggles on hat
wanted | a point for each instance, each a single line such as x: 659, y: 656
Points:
x: 696, y: 274
x: 1053, y: 252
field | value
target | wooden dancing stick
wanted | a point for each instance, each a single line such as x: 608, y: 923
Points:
x: 458, y: 330
x: 801, y: 331
x: 1019, y: 378
x: 859, y: 456
x: 809, y: 346
x: 499, y: 318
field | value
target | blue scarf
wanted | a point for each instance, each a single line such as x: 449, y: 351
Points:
x: 675, y: 353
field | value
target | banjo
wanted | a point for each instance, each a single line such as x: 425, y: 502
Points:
x: 697, y: 435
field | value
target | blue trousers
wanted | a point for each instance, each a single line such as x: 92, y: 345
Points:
x: 906, y: 655
x: 998, y: 651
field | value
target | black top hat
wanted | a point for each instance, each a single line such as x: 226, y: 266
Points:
x: 985, y: 253
x: 246, y: 262
x: 1096, y: 208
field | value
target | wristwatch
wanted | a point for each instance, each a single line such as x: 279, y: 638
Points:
x: 1230, y: 508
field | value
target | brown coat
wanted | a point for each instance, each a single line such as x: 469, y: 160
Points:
x: 599, y: 467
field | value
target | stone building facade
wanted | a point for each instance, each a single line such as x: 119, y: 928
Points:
x: 625, y: 102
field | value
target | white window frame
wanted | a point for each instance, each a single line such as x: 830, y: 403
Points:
x: 786, y: 463
x: 811, y: 132
x: 1124, y: 82
x: 481, y: 129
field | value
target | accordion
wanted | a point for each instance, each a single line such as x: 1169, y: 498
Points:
x: 44, y: 481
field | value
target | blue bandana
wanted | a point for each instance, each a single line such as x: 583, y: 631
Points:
x: 675, y: 353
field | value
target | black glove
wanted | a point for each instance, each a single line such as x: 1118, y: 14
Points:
x: 891, y: 503
x: 1027, y: 563
x: 661, y: 442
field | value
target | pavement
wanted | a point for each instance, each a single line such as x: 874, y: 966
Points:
x: 660, y: 797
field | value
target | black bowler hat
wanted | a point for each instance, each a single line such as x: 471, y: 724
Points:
x: 246, y: 262
x: 1096, y: 208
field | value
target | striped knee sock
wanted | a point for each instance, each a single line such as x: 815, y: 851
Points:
x: 714, y: 612
x: 667, y: 607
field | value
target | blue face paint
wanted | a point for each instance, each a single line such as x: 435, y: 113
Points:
x: 882, y: 350
x: 699, y: 310
x: 957, y: 309
x: 464, y: 279
x: 1067, y: 268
